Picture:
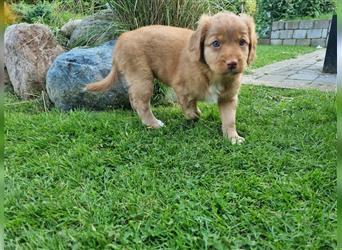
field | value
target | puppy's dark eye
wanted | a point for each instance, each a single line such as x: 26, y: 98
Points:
x: 242, y: 42
x: 216, y: 44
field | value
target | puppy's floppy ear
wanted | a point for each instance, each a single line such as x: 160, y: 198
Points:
x: 195, y: 44
x: 252, y: 37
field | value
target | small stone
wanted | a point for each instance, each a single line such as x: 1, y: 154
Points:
x: 321, y: 24
x: 275, y: 26
x: 281, y: 25
x: 303, y: 42
x: 292, y: 25
x: 276, y: 42
x: 318, y: 42
x: 315, y: 33
x: 69, y: 27
x: 265, y: 41
x: 275, y: 34
x: 324, y: 33
x: 289, y: 42
x: 286, y: 34
x: 299, y: 34
x: 306, y: 24
x: 96, y: 25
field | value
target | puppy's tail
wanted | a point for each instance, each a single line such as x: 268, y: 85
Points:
x: 105, y: 83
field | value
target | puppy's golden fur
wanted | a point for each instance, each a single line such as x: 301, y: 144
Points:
x: 197, y: 64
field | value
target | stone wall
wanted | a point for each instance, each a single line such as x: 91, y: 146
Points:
x: 305, y: 32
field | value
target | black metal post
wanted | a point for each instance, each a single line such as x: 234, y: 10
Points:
x: 330, y: 61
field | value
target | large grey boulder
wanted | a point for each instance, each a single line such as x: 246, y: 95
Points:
x: 68, y: 28
x: 94, y: 29
x: 29, y: 52
x: 70, y: 72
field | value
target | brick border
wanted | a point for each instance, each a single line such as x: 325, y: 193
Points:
x: 301, y: 32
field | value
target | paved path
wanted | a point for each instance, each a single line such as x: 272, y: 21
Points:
x: 305, y: 71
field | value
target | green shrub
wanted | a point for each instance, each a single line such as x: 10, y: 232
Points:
x: 40, y: 12
x: 131, y: 14
x: 55, y: 13
x: 238, y: 6
x: 82, y: 7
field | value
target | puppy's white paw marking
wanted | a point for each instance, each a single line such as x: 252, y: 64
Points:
x: 160, y: 123
x: 233, y: 137
x: 237, y: 140
x: 156, y: 124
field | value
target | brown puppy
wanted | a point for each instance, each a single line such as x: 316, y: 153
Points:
x: 199, y: 65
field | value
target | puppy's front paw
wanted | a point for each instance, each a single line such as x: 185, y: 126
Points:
x: 237, y: 140
x: 156, y: 124
x: 193, y: 115
x: 233, y: 137
x: 160, y: 123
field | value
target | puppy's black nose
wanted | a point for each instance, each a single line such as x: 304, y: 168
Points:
x: 232, y: 64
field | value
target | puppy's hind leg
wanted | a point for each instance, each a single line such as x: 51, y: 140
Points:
x: 189, y: 107
x: 140, y: 93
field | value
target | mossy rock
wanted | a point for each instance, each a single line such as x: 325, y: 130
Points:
x: 94, y: 30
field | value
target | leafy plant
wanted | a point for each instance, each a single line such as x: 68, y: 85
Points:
x: 240, y: 6
x: 40, y: 12
x: 131, y: 14
x: 270, y: 10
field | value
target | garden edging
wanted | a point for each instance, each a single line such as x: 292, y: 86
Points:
x: 301, y: 32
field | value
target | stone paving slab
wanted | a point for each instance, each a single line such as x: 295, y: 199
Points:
x: 305, y: 71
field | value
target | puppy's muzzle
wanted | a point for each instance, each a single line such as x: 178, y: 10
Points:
x: 231, y: 65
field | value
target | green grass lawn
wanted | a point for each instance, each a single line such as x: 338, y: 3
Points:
x: 267, y: 54
x: 100, y: 180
